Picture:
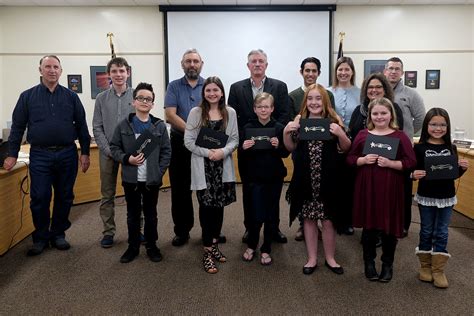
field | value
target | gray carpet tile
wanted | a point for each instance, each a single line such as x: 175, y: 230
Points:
x: 90, y: 280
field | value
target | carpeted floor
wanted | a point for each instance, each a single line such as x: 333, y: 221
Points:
x: 88, y: 279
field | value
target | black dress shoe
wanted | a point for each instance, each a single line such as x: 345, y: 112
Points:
x: 386, y: 273
x: 370, y: 271
x: 309, y: 270
x: 129, y: 255
x: 37, y: 249
x: 60, y: 244
x: 245, y: 237
x: 178, y: 241
x: 222, y: 239
x: 280, y: 238
x: 336, y: 270
x: 154, y: 253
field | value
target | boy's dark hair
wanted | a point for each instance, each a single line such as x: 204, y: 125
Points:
x: 119, y: 61
x: 313, y: 60
x: 143, y: 86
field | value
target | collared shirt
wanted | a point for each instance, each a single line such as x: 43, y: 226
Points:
x: 53, y: 119
x: 182, y: 96
x: 110, y: 109
x: 347, y: 99
x: 256, y: 90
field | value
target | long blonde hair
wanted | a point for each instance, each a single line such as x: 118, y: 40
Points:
x: 386, y: 103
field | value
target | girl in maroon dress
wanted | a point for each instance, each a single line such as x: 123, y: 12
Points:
x: 378, y: 196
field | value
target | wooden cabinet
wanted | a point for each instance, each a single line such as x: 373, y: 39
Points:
x: 465, y: 186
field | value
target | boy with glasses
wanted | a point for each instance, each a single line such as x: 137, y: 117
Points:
x: 141, y: 176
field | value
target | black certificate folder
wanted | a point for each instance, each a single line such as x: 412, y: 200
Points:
x: 381, y: 145
x: 145, y: 143
x: 315, y: 129
x: 441, y: 167
x: 261, y: 136
x: 211, y: 139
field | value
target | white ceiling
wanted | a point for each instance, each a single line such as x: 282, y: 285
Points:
x: 221, y: 2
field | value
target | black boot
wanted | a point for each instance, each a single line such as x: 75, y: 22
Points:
x: 368, y: 247
x: 370, y: 271
x: 386, y: 273
x: 389, y: 244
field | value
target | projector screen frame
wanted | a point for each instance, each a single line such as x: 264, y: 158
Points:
x: 246, y: 8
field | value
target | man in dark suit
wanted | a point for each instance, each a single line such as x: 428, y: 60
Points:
x: 241, y: 96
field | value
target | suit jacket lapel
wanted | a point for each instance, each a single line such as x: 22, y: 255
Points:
x: 248, y: 93
x: 267, y: 87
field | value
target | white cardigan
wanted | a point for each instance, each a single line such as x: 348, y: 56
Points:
x: 198, y: 177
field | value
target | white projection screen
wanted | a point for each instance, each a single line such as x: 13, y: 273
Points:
x: 225, y: 38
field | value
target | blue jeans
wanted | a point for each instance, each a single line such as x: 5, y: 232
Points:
x: 52, y: 170
x: 434, y: 228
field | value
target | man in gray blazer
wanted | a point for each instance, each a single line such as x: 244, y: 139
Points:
x: 241, y: 96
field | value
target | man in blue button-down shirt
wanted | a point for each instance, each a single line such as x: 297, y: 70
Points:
x: 181, y: 96
x: 55, y: 118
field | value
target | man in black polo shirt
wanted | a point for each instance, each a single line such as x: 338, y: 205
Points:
x: 55, y: 118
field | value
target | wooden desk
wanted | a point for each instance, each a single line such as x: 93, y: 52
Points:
x: 15, y: 214
x: 465, y: 186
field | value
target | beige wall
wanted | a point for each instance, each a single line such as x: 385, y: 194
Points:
x: 78, y: 35
x: 425, y: 37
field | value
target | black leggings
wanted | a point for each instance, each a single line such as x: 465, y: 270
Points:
x: 211, y: 219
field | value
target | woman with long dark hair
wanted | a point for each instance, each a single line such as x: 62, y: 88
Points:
x: 375, y: 86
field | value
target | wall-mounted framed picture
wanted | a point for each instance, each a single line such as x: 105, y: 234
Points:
x: 432, y: 79
x: 373, y: 66
x: 411, y: 78
x: 100, y: 81
x: 74, y: 83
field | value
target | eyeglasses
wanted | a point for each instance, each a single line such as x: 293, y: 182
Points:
x: 435, y: 126
x: 263, y: 107
x: 374, y: 87
x: 144, y: 100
